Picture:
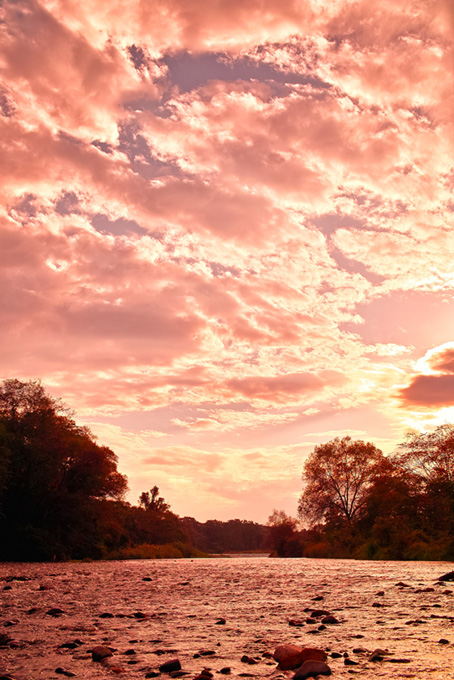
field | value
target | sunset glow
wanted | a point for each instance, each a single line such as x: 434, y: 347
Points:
x: 227, y: 231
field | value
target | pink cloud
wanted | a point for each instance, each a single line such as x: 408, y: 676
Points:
x: 430, y: 391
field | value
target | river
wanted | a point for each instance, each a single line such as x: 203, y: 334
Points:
x: 152, y: 611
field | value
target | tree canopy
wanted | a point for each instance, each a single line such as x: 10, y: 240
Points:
x: 337, y: 476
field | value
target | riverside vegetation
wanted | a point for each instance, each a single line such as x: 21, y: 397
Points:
x: 62, y: 497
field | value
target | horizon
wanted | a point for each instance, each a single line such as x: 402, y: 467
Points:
x: 226, y: 232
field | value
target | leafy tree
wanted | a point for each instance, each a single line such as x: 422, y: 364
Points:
x: 337, y: 477
x: 283, y: 535
x: 151, y: 501
x: 55, y: 473
x: 429, y: 456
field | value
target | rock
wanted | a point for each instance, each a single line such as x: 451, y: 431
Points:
x: 169, y: 666
x: 296, y: 622
x: 207, y: 652
x: 318, y: 598
x: 226, y: 670
x: 443, y: 641
x: 100, y: 652
x: 330, y: 619
x: 55, y: 611
x: 336, y: 655
x: 248, y: 659
x: 139, y: 615
x: 405, y: 585
x: 62, y: 671
x: 129, y: 652
x: 220, y: 622
x: 70, y: 645
x: 147, y: 578
x: 152, y: 674
x: 317, y: 613
x: 380, y: 593
x: 350, y: 662
x: 311, y: 668
x: 290, y: 657
x: 378, y: 654
x: 7, y: 588
x: 447, y: 577
x: 106, y: 615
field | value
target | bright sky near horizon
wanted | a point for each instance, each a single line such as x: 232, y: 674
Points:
x: 226, y: 231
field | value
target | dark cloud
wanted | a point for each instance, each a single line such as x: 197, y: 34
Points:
x: 429, y: 391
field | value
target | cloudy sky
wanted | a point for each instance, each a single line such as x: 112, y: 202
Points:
x: 226, y: 231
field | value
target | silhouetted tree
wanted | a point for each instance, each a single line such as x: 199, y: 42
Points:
x: 54, y: 472
x: 283, y: 537
x: 337, y: 477
x: 151, y: 501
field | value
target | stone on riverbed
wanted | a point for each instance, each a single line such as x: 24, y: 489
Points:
x: 100, y: 652
x: 311, y: 669
x: 291, y: 656
x: 169, y: 666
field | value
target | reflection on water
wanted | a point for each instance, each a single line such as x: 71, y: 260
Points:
x: 152, y: 611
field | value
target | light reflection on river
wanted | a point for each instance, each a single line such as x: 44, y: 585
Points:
x: 256, y: 597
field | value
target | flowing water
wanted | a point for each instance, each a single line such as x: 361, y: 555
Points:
x: 152, y: 611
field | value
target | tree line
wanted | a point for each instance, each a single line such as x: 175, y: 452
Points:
x: 62, y: 496
x: 358, y: 503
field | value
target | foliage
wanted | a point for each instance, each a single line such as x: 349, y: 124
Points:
x: 403, y: 505
x: 216, y: 537
x: 337, y: 476
x: 283, y: 537
x: 155, y: 552
x: 429, y: 456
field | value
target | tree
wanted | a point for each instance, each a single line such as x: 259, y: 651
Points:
x: 55, y: 474
x: 283, y: 535
x: 429, y: 456
x: 151, y: 501
x: 337, y: 476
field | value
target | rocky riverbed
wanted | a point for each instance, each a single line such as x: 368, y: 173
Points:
x: 215, y: 617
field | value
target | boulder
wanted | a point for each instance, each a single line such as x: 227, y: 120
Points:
x: 447, y: 577
x: 312, y: 668
x: 291, y: 656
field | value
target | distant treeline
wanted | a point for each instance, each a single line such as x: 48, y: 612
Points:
x: 235, y: 535
x: 61, y: 495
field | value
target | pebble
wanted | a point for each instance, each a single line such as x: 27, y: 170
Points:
x: 169, y: 666
x: 55, y: 611
x: 310, y: 669
x: 100, y: 652
x: 62, y: 671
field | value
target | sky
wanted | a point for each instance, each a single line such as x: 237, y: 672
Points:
x: 226, y: 231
